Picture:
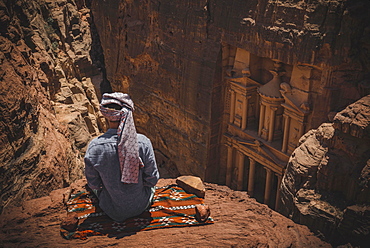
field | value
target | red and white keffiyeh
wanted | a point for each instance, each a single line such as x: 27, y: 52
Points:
x: 128, y: 149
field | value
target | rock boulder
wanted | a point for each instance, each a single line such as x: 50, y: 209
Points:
x: 326, y: 185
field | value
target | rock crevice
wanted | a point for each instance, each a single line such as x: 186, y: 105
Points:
x: 49, y: 106
x: 326, y: 183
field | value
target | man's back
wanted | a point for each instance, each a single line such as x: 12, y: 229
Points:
x: 120, y: 201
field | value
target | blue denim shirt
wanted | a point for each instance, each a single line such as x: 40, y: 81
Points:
x: 118, y: 200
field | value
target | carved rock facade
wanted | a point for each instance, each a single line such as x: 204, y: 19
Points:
x: 225, y: 89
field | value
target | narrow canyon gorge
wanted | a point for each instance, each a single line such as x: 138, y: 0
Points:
x: 268, y: 101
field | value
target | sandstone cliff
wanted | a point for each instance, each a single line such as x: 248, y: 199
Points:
x: 170, y: 57
x: 49, y: 108
x: 326, y: 184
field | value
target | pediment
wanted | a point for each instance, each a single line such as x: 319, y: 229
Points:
x: 295, y: 99
x: 261, y: 151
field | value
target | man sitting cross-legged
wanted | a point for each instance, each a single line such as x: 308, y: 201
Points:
x: 120, y: 165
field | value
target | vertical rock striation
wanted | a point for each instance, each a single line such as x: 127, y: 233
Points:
x: 326, y: 183
x: 168, y: 55
x: 160, y: 54
x: 173, y: 58
x: 49, y: 108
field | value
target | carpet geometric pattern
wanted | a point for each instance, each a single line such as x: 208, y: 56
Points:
x: 172, y: 207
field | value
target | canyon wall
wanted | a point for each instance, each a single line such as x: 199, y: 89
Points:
x: 171, y: 58
x: 189, y: 67
x: 177, y: 61
x: 49, y: 74
x: 326, y: 183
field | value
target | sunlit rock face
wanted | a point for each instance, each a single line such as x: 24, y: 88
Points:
x: 172, y: 58
x: 181, y: 60
x: 49, y: 108
x: 326, y: 184
x: 176, y: 58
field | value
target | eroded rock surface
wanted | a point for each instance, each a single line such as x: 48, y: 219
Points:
x: 49, y: 109
x: 326, y: 184
x: 240, y: 221
x: 355, y: 119
x: 170, y: 56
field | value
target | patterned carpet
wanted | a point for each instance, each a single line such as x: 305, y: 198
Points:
x: 172, y: 207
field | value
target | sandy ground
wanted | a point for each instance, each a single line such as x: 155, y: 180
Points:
x: 240, y: 221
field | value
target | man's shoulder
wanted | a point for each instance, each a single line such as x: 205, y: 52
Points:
x: 143, y: 141
x: 142, y: 138
x: 103, y: 139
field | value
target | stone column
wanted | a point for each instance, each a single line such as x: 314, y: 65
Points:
x: 229, y: 165
x: 301, y: 129
x: 286, y: 133
x: 267, y: 185
x: 240, y: 171
x: 245, y: 113
x: 232, y: 106
x: 272, y: 123
x: 262, y: 119
x: 252, y: 168
x: 256, y: 105
x: 278, y: 192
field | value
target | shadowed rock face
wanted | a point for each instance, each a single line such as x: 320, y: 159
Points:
x: 326, y: 184
x: 168, y: 56
x: 49, y: 108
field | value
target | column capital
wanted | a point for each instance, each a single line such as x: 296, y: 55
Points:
x: 252, y: 160
x: 273, y: 108
x: 229, y: 143
x: 278, y: 175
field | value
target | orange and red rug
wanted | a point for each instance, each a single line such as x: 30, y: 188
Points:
x: 172, y: 207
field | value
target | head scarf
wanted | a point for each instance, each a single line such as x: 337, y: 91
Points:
x: 127, y: 146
